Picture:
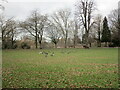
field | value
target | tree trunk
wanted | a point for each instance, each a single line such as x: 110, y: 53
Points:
x: 98, y: 43
x: 86, y: 39
x: 12, y: 42
x: 40, y: 45
x: 36, y: 32
x: 36, y: 42
x: 105, y: 44
x: 40, y: 41
x: 12, y: 39
x: 75, y: 34
x: 55, y: 45
x: 66, y: 40
x: 74, y: 41
x: 99, y: 40
x: 90, y: 44
x: 74, y: 45
x: 2, y: 41
x: 65, y: 43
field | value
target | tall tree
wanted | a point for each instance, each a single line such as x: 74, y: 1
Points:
x: 106, y: 34
x: 98, y: 28
x: 114, y: 19
x: 74, y: 31
x: 61, y: 21
x: 13, y: 29
x: 54, y: 34
x: 84, y: 12
x: 75, y: 34
x: 43, y: 24
x: 30, y: 25
x: 8, y: 28
x: 35, y: 26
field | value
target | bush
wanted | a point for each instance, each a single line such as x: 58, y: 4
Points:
x: 116, y: 42
x: 111, y: 45
x: 14, y: 46
x: 6, y: 45
x: 25, y: 46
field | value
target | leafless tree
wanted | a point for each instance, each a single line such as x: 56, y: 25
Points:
x: 61, y: 21
x: 114, y: 21
x: 43, y: 24
x: 35, y: 25
x: 13, y: 29
x: 29, y: 26
x: 74, y: 30
x: 98, y: 28
x: 3, y: 29
x: 54, y: 34
x: 8, y: 28
x: 84, y: 10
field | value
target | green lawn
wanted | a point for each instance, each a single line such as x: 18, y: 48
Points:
x: 68, y: 68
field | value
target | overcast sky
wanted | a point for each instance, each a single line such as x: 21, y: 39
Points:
x: 20, y: 9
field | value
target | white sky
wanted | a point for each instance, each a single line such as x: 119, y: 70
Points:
x: 22, y: 8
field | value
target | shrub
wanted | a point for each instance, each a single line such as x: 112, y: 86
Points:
x: 14, y: 46
x: 25, y: 46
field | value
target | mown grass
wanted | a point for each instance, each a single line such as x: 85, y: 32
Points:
x: 68, y: 68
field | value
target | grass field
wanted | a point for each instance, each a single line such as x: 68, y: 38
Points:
x: 68, y: 68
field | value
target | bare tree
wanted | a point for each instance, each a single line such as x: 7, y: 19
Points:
x: 54, y: 34
x: 3, y: 28
x: 74, y: 30
x: 41, y: 28
x: 114, y: 21
x: 30, y: 25
x: 84, y: 10
x: 13, y: 29
x: 61, y: 21
x: 34, y: 25
x: 8, y: 28
x: 98, y: 26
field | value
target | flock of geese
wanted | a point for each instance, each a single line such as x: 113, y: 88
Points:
x: 46, y: 53
x: 51, y: 53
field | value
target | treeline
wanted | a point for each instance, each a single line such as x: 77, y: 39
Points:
x: 63, y: 27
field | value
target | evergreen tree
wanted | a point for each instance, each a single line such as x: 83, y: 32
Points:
x: 106, y: 34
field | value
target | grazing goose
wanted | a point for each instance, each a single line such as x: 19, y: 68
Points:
x: 46, y: 54
x: 52, y: 54
x: 40, y: 52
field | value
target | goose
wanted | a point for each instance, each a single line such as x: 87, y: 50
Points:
x: 40, y: 52
x: 52, y: 54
